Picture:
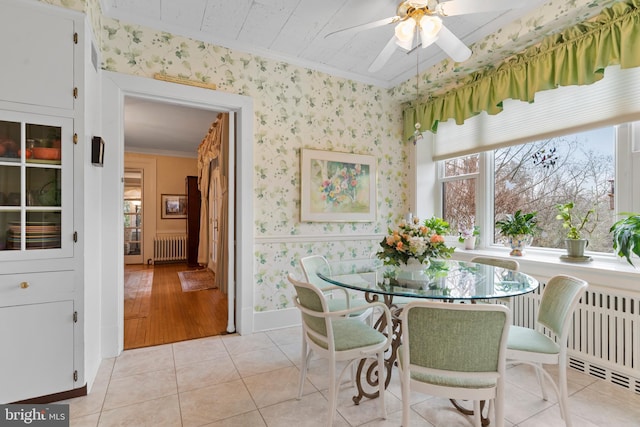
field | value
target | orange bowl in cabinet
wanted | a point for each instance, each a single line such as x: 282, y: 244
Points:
x: 44, y: 153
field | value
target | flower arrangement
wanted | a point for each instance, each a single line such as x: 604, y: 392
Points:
x: 415, y: 240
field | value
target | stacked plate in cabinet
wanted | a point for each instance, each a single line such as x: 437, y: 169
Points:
x: 38, y: 235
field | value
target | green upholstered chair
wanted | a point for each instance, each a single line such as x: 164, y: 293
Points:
x: 456, y: 351
x: 509, y: 264
x: 310, y: 266
x: 535, y: 346
x: 337, y: 337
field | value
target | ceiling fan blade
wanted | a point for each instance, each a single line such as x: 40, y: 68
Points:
x: 384, y: 55
x: 465, y: 7
x: 452, y: 45
x: 357, y: 28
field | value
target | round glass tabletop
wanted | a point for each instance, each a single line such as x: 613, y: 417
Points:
x: 440, y: 279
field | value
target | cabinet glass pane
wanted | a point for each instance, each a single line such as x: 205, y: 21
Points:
x: 42, y: 230
x: 9, y: 233
x: 9, y: 185
x: 9, y: 141
x: 43, y: 144
x: 43, y: 187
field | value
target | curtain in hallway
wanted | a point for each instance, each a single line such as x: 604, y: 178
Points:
x: 214, y: 153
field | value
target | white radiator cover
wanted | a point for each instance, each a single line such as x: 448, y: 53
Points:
x: 605, y: 337
x: 170, y: 248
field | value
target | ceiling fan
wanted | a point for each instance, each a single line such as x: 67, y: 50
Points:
x: 423, y: 17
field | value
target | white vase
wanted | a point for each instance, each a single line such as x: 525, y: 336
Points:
x: 413, y: 272
x: 415, y: 265
x: 470, y: 242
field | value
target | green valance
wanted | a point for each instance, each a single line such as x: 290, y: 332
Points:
x: 576, y: 56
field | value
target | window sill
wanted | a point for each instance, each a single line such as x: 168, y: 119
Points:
x: 605, y: 270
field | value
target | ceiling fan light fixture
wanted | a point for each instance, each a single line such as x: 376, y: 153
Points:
x: 404, y: 33
x: 429, y: 28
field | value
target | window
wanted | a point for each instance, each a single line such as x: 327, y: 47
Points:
x: 459, y: 188
x: 536, y: 176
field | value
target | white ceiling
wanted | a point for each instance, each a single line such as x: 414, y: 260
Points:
x: 164, y: 128
x: 294, y: 30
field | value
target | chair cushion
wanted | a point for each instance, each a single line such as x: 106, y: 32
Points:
x: 351, y: 333
x: 527, y: 339
x: 449, y: 382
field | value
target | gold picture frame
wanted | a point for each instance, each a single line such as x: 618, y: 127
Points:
x: 337, y: 187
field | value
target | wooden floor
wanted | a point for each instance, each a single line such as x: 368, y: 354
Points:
x: 157, y: 311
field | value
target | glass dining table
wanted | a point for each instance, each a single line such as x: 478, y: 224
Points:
x: 445, y: 280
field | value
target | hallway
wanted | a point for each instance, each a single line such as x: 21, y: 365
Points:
x: 157, y: 311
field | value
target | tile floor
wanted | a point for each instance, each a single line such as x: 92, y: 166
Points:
x: 252, y: 380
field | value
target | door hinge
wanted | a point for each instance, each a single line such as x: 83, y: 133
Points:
x: 75, y: 375
x: 75, y: 38
x: 75, y: 92
x: 75, y: 317
x: 75, y: 237
x: 75, y: 138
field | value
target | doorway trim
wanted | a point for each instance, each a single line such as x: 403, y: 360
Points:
x: 115, y: 87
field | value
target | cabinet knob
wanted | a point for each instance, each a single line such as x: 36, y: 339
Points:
x: 24, y: 285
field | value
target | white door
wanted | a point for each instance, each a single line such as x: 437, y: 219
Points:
x: 133, y: 213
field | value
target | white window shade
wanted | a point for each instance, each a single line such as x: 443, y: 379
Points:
x: 614, y: 99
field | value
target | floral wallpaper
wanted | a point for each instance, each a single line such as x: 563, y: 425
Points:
x: 550, y: 18
x: 299, y: 108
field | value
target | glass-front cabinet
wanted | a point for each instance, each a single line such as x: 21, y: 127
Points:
x: 36, y: 186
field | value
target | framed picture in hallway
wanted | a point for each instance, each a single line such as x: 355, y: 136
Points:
x: 337, y: 187
x: 173, y: 206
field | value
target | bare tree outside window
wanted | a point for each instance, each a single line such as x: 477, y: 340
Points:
x: 540, y: 175
x: 537, y: 176
x: 459, y: 192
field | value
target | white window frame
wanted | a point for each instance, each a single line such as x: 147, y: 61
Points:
x: 627, y: 184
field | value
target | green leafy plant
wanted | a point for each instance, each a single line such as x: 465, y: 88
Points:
x: 519, y: 224
x: 626, y: 236
x: 572, y: 221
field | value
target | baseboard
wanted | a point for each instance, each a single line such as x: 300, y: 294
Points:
x: 56, y: 397
x: 276, y: 319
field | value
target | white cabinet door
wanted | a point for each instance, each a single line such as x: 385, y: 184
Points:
x: 36, y: 193
x: 37, y: 52
x: 36, y: 356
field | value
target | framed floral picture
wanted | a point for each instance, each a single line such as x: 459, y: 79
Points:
x: 173, y: 206
x: 337, y: 187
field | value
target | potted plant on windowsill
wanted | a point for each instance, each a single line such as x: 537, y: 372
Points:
x: 626, y: 236
x: 575, y: 224
x: 519, y: 229
x: 469, y: 236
